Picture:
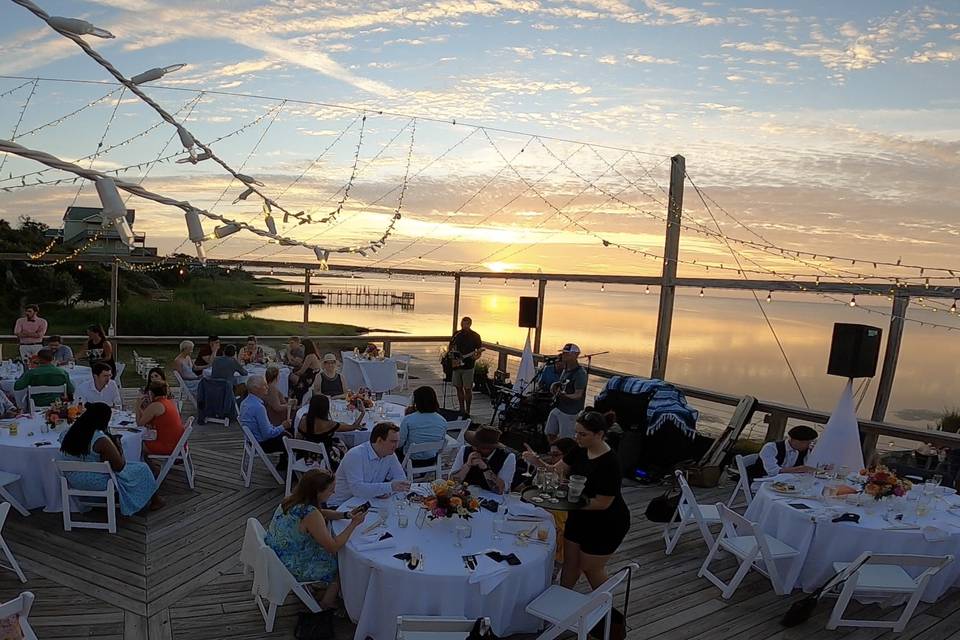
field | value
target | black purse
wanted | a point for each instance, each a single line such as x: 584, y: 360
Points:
x: 314, y: 626
x: 663, y: 508
x: 481, y: 631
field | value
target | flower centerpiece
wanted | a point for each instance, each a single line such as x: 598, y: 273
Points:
x: 359, y: 399
x: 450, y: 499
x: 372, y: 352
x: 881, y: 483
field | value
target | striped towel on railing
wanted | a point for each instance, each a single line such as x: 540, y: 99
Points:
x: 667, y: 405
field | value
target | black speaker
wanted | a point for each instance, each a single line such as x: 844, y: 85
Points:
x: 528, y: 312
x: 854, y: 350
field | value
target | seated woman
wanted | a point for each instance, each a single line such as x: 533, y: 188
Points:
x: 422, y: 425
x: 275, y: 401
x: 298, y: 533
x: 252, y: 353
x: 303, y: 377
x: 331, y: 382
x: 88, y: 440
x: 183, y: 364
x: 162, y: 416
x: 594, y: 532
x: 156, y: 375
x: 314, y: 424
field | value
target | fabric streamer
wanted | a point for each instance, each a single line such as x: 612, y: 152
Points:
x: 839, y: 444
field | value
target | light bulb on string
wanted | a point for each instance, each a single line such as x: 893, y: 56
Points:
x: 953, y: 307
x: 77, y: 27
x: 564, y: 285
x: 853, y: 301
x: 770, y: 297
x: 602, y: 287
x: 701, y: 292
x: 156, y: 73
x: 646, y: 290
x: 79, y: 267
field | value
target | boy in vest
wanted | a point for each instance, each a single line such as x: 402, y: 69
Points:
x: 785, y: 456
x: 485, y: 463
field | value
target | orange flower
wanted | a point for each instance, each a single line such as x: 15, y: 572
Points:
x: 474, y: 504
x: 455, y: 502
x: 871, y: 489
x: 430, y: 503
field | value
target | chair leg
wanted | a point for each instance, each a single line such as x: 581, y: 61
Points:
x: 111, y: 508
x: 271, y: 616
x: 6, y: 495
x: 674, y: 539
x: 13, y: 561
x: 65, y: 505
x: 908, y: 610
x: 188, y: 469
x: 836, y: 616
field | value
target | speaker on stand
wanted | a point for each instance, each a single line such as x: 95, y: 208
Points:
x: 854, y: 350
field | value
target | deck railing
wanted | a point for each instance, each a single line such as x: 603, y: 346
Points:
x: 776, y: 415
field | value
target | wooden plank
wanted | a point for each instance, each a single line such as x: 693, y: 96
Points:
x: 158, y: 626
x: 891, y: 355
x: 671, y: 253
x: 134, y: 627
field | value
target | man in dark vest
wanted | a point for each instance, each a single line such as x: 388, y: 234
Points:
x: 785, y: 456
x: 485, y: 463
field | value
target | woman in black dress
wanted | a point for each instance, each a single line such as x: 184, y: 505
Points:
x: 316, y: 426
x: 594, y: 532
x: 99, y: 348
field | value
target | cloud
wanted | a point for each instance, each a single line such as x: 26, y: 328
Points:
x: 924, y: 57
x: 641, y: 58
x: 540, y: 26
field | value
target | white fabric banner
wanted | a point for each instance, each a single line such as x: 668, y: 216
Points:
x: 526, y: 371
x: 839, y: 444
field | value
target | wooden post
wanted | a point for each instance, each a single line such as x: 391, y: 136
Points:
x: 776, y: 426
x: 671, y: 251
x: 538, y: 331
x: 456, y: 304
x: 306, y: 303
x: 114, y: 288
x: 890, y: 356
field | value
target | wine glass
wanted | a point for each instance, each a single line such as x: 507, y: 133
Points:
x: 461, y: 531
x: 499, y: 524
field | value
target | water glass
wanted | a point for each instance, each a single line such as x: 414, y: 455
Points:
x: 499, y: 524
x: 462, y: 532
x: 402, y: 520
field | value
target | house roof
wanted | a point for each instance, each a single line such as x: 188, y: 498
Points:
x: 91, y: 214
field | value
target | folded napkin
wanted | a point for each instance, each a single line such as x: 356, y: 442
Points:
x: 421, y: 489
x: 489, y: 574
x: 935, y: 534
x: 523, y: 510
x: 373, y: 541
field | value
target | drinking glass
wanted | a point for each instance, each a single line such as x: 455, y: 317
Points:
x: 402, y: 520
x: 499, y: 524
x: 462, y: 532
x: 937, y: 479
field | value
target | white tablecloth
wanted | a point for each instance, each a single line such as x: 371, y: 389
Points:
x: 338, y: 411
x: 39, y: 484
x: 379, y: 376
x: 283, y: 380
x: 9, y: 375
x: 377, y: 587
x: 843, y: 541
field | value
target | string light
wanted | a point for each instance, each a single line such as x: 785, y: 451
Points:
x: 853, y: 301
x: 770, y: 297
x: 953, y: 307
x: 646, y: 290
x: 564, y: 285
x: 602, y: 287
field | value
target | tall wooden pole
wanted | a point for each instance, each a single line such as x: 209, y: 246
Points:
x: 890, y: 356
x: 306, y: 303
x: 671, y: 251
x: 456, y: 304
x: 538, y: 332
x: 114, y: 288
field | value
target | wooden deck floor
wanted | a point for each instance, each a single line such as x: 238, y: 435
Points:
x: 175, y: 573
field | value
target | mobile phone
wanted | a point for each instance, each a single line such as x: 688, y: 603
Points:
x: 363, y: 508
x: 797, y: 505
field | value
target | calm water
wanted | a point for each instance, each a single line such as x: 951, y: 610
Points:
x: 719, y: 342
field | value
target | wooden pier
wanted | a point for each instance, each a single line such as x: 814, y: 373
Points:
x: 361, y: 296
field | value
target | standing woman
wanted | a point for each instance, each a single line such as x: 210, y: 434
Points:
x: 88, y: 440
x: 99, y: 348
x: 303, y: 377
x: 593, y: 532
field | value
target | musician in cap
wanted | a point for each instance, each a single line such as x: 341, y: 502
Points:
x: 465, y: 347
x: 570, y: 394
x: 785, y: 456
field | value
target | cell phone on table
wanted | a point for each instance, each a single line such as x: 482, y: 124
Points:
x: 797, y: 505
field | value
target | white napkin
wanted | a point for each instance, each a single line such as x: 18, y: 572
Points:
x: 371, y: 541
x: 421, y: 489
x: 488, y: 574
x: 525, y: 510
x: 934, y: 534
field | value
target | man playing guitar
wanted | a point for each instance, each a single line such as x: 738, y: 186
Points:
x: 464, y: 349
x: 570, y: 394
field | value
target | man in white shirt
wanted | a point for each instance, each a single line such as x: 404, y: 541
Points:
x: 485, y: 463
x: 102, y: 388
x: 785, y: 456
x: 30, y: 330
x: 371, y: 470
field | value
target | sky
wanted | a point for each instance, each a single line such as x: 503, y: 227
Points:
x: 831, y: 127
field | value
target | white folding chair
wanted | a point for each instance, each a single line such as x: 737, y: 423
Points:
x: 427, y: 447
x: 403, y: 369
x: 455, y: 431
x: 253, y: 537
x: 180, y: 452
x: 692, y: 515
x: 754, y: 549
x: 568, y: 610
x: 108, y: 495
x: 302, y: 465
x: 8, y: 479
x: 272, y: 582
x: 60, y: 390
x: 251, y: 451
x: 184, y: 393
x: 403, y: 401
x: 743, y: 484
x: 20, y: 607
x: 435, y: 627
x: 14, y: 566
x: 884, y: 575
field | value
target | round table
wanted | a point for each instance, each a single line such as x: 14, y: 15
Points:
x: 338, y: 411
x: 822, y: 542
x: 9, y: 374
x: 39, y: 484
x: 378, y: 376
x: 377, y: 587
x: 283, y: 380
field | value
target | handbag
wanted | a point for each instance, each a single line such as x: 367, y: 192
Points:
x: 801, y: 610
x: 481, y: 631
x: 314, y: 626
x: 663, y: 508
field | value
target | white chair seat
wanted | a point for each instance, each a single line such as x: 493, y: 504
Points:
x: 881, y: 577
x: 740, y: 546
x: 556, y: 603
x: 709, y: 513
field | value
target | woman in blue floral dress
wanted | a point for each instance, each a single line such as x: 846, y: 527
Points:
x: 299, y: 534
x: 88, y: 440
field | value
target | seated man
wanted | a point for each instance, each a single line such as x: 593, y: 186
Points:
x: 102, y: 388
x: 45, y: 374
x: 226, y: 365
x: 7, y: 408
x: 62, y: 354
x: 485, y: 463
x: 371, y: 470
x: 295, y: 352
x: 785, y: 456
x: 206, y: 353
x: 253, y: 416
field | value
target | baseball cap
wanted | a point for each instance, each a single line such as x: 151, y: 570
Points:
x: 570, y: 348
x: 329, y: 358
